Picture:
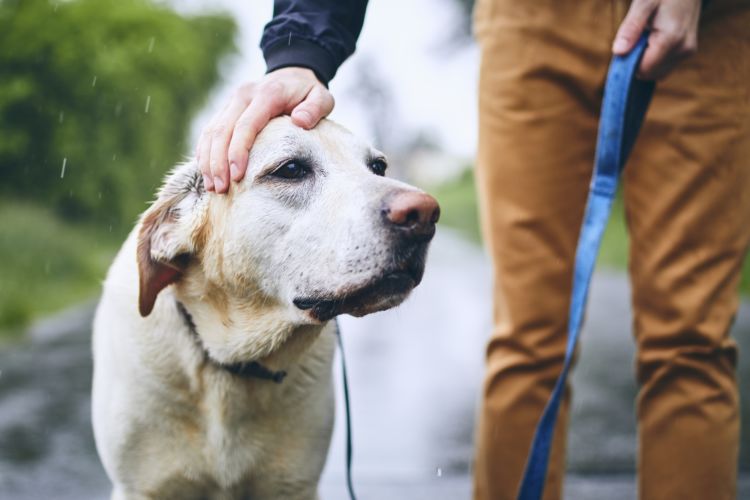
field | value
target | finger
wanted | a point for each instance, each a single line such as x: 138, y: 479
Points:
x: 269, y: 102
x: 660, y: 56
x: 317, y: 105
x: 220, y: 135
x: 632, y: 26
x: 674, y: 36
x: 202, y: 155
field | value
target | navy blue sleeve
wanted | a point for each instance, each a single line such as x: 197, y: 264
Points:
x: 315, y: 34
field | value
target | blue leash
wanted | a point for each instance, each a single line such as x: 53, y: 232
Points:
x: 623, y: 108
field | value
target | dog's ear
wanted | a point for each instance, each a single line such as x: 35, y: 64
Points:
x: 164, y: 238
x: 160, y: 262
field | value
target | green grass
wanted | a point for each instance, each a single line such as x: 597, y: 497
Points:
x: 459, y: 211
x: 614, y: 250
x: 46, y: 263
x: 458, y: 205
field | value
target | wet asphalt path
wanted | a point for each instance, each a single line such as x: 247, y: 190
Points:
x: 414, y: 373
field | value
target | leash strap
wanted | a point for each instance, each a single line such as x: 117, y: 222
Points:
x: 345, y: 381
x: 623, y: 108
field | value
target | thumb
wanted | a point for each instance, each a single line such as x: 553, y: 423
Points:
x: 632, y: 26
x: 318, y: 104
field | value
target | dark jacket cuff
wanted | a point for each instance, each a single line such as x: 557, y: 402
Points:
x: 296, y: 51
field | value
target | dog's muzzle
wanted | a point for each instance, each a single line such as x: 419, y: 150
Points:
x: 409, y: 217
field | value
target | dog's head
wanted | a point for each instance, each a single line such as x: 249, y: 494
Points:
x: 314, y: 227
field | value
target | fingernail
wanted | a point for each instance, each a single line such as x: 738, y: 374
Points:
x: 207, y: 183
x: 234, y: 171
x: 219, y: 183
x: 620, y: 45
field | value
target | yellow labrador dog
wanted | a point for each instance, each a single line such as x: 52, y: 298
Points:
x: 213, y: 341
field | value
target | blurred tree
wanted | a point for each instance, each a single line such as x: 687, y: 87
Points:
x: 96, y: 98
x: 461, y: 33
x: 466, y: 8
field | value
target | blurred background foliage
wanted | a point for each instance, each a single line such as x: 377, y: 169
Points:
x: 96, y: 101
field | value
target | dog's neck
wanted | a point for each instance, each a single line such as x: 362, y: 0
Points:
x: 246, y: 369
x: 252, y: 335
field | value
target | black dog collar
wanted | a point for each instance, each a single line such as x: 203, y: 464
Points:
x: 246, y: 369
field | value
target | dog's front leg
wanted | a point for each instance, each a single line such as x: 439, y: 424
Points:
x: 119, y: 493
x: 277, y: 491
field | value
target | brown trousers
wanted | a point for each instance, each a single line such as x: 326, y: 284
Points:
x: 687, y: 199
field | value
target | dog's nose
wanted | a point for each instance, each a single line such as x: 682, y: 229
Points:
x: 413, y: 212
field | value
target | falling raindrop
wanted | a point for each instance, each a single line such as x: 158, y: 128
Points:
x: 62, y: 173
x: 100, y: 195
x: 114, y: 157
x: 151, y: 44
x: 148, y: 103
x: 93, y: 82
x: 439, y: 472
x: 118, y: 109
x: 61, y: 116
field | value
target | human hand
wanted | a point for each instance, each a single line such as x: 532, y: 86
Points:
x: 224, y: 143
x: 673, y: 37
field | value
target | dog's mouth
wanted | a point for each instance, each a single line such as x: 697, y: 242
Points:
x: 384, y: 292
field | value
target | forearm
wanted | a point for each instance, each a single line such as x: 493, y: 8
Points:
x: 315, y: 34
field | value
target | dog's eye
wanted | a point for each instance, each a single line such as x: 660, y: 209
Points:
x: 291, y: 170
x: 378, y: 166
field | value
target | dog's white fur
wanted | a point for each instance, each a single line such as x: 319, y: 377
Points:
x: 169, y: 422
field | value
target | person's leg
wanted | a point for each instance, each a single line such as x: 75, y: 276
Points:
x: 687, y: 195
x: 543, y: 64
